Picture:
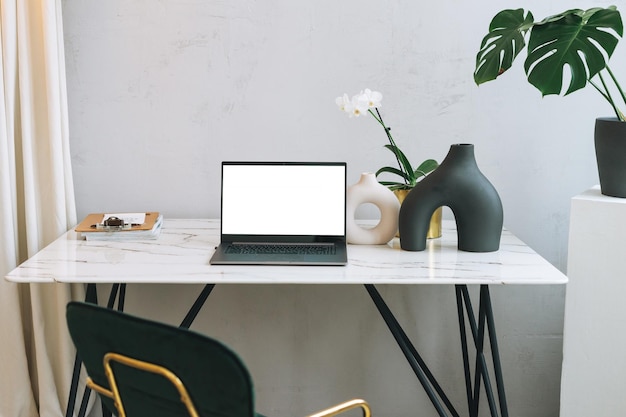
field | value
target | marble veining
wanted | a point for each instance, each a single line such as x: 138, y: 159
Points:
x: 181, y: 255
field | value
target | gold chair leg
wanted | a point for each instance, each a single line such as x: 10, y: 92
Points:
x: 343, y: 407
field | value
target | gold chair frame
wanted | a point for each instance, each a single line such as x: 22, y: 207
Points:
x: 346, y: 406
x: 114, y: 393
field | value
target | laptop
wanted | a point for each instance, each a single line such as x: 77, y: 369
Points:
x: 283, y: 213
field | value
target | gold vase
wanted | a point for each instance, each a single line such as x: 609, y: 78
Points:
x: 434, y: 229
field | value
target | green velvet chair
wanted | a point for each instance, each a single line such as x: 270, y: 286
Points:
x: 144, y: 368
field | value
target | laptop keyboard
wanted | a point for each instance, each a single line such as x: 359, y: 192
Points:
x: 296, y: 249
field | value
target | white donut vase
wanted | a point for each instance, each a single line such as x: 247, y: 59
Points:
x: 369, y: 190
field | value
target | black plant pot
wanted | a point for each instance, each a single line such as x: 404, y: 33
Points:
x: 458, y: 184
x: 610, y: 141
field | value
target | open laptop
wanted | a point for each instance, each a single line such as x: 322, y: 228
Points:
x: 283, y: 213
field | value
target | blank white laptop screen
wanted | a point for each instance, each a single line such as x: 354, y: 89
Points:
x: 283, y: 199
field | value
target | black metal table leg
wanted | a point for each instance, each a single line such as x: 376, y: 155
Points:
x: 477, y: 327
x: 495, y: 351
x: 197, y: 305
x: 431, y: 386
x: 118, y: 292
x: 91, y: 296
x: 464, y: 349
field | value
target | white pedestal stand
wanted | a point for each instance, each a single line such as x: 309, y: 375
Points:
x: 593, y: 380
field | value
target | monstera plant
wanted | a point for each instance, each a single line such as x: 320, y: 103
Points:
x: 582, y: 40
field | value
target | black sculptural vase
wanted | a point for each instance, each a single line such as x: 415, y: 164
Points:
x: 458, y: 184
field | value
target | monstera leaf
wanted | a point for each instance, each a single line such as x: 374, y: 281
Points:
x: 578, y: 39
x: 502, y: 44
x: 581, y: 40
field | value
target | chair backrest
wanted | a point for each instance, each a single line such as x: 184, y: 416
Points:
x: 216, y: 379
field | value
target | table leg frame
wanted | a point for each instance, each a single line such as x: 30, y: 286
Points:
x: 431, y: 386
x: 197, y: 305
x: 433, y: 389
x: 477, y: 328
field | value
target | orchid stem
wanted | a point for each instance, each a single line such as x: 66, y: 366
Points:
x: 379, y: 119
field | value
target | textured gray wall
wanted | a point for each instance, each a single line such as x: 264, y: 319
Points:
x: 161, y: 91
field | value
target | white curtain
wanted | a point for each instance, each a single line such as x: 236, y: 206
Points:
x: 36, y: 188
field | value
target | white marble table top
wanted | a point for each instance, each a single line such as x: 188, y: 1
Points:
x: 181, y: 255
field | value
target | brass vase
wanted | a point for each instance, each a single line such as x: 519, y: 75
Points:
x: 434, y: 230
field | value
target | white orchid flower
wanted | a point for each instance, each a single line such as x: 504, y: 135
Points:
x: 343, y: 102
x: 373, y: 98
x: 368, y: 101
x: 358, y: 105
x: 350, y: 106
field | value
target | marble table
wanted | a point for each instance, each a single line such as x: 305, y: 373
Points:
x: 181, y: 255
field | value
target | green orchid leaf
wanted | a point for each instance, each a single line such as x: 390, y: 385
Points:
x: 404, y: 161
x: 392, y: 170
x: 578, y: 39
x: 502, y: 44
x: 400, y: 187
x: 426, y: 167
x: 394, y: 185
